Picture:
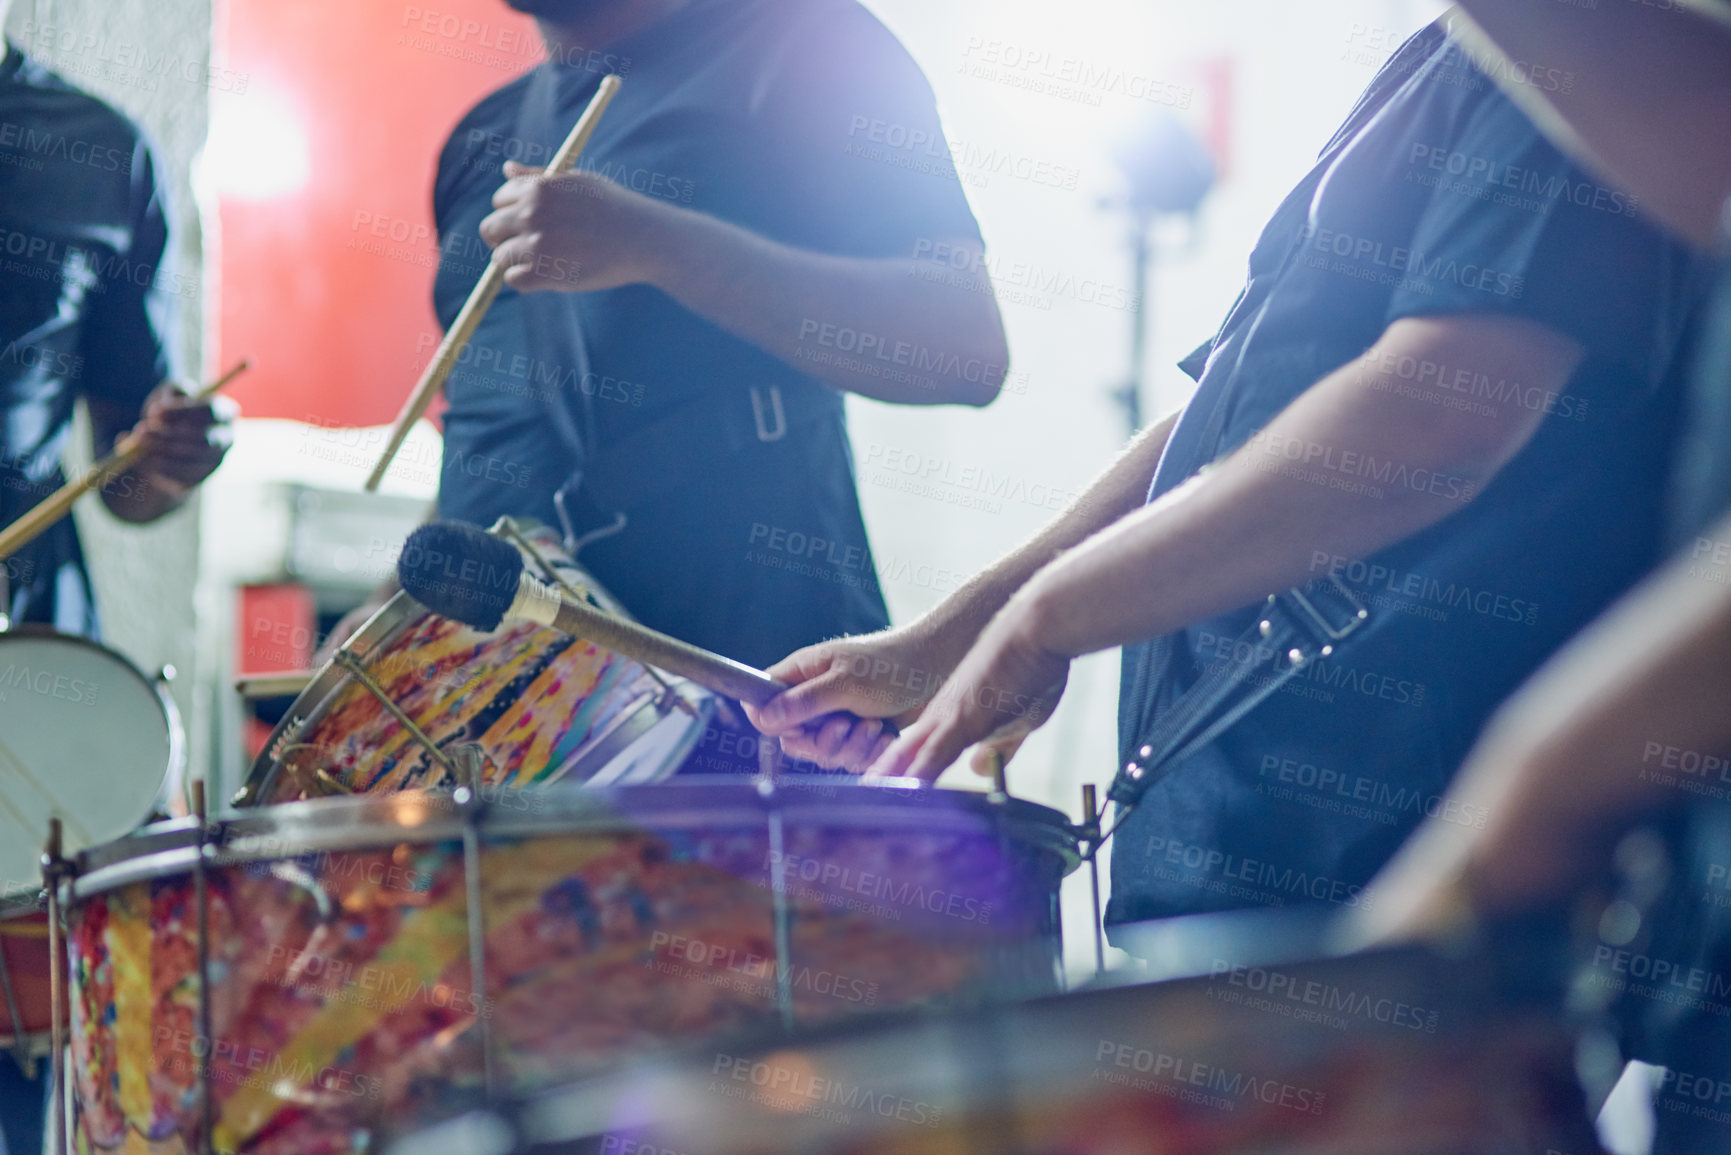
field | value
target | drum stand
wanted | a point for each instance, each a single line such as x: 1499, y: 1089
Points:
x: 471, y: 807
x: 55, y: 868
x: 201, y: 895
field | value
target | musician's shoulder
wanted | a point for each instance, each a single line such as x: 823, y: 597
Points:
x: 494, y: 112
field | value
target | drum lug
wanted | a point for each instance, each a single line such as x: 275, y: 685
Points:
x: 56, y: 869
x: 475, y: 769
x: 1089, y: 834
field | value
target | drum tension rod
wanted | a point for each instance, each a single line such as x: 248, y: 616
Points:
x: 669, y: 696
x: 1089, y: 834
x: 55, y: 869
x: 352, y: 664
x: 206, y: 1023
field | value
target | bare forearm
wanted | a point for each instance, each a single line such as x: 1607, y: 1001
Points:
x: 1348, y: 468
x: 884, y: 329
x: 1648, y: 96
x: 1115, y: 494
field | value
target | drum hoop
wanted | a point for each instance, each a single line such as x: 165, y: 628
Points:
x: 378, y: 822
x: 312, y: 703
x: 154, y: 688
x: 39, y: 632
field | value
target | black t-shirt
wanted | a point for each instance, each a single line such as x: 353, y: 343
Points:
x: 1438, y: 197
x: 732, y: 468
x: 82, y: 234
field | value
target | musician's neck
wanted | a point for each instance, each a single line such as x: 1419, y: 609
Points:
x: 605, y: 26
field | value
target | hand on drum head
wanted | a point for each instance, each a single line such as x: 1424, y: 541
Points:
x: 1004, y: 690
x: 841, y: 689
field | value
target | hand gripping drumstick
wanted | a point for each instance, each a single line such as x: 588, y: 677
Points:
x: 126, y: 454
x: 481, y: 299
x: 459, y: 572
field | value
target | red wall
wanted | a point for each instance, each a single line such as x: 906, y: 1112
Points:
x: 338, y: 334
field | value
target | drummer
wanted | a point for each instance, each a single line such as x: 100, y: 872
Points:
x: 84, y: 233
x: 1597, y: 740
x: 1456, y: 403
x: 735, y: 253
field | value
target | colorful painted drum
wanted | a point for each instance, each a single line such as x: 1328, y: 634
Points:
x: 1393, y: 1053
x: 26, y: 1007
x: 533, y: 706
x: 382, y: 962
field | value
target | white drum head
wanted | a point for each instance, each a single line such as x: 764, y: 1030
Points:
x: 83, y: 738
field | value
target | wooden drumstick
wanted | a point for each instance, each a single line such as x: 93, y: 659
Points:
x: 481, y: 299
x: 126, y: 453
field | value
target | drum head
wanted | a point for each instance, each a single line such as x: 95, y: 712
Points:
x: 83, y: 738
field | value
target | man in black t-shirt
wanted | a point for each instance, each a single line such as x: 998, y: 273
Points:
x: 1451, y: 383
x: 765, y: 218
x: 1630, y: 723
x: 82, y: 236
x: 81, y: 241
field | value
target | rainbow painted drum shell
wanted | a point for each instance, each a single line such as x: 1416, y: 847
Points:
x: 615, y: 922
x: 542, y: 706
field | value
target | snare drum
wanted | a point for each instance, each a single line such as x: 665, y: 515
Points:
x: 536, y: 706
x: 376, y: 962
x: 84, y: 737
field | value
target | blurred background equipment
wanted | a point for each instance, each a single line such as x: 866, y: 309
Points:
x: 1167, y: 172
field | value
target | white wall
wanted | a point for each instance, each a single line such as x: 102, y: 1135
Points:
x: 1299, y: 67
